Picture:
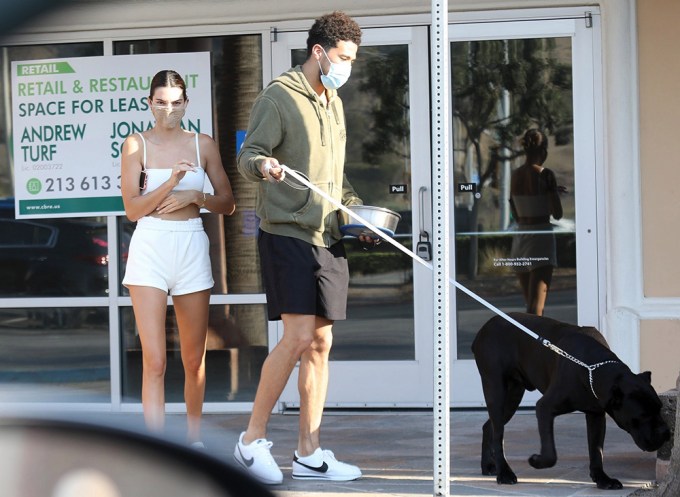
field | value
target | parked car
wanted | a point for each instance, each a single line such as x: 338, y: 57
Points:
x: 52, y: 257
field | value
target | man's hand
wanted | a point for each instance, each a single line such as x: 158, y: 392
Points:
x: 271, y: 170
x: 368, y: 242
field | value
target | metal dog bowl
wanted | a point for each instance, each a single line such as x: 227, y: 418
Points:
x: 384, y: 219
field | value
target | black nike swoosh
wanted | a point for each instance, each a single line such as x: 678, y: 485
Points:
x: 321, y: 469
x: 248, y: 462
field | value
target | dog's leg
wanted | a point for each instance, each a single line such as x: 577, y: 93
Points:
x: 503, y: 398
x: 545, y: 415
x: 488, y: 463
x: 597, y: 428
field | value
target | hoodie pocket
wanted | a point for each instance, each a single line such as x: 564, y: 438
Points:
x: 303, y: 207
x: 314, y: 214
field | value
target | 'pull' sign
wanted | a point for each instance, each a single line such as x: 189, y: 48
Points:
x: 397, y: 188
x: 467, y: 187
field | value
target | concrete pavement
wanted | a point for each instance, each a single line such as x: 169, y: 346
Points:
x: 394, y: 451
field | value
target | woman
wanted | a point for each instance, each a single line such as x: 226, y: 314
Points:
x: 534, y: 197
x: 162, y: 174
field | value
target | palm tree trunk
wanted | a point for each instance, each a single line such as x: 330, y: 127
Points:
x: 241, y: 83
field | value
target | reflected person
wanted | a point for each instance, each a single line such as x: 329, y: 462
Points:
x: 534, y: 198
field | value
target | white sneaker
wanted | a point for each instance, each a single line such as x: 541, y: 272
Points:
x: 257, y: 460
x: 322, y: 465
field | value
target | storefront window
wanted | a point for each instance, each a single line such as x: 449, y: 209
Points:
x: 45, y: 257
x: 236, y: 349
x: 55, y: 354
x: 527, y: 84
x: 50, y: 354
x: 52, y: 257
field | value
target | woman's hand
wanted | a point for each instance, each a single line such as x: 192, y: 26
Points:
x: 180, y: 169
x: 176, y: 201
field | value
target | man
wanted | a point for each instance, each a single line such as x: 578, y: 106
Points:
x: 298, y: 120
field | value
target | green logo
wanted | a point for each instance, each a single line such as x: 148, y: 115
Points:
x: 42, y: 69
x: 33, y: 186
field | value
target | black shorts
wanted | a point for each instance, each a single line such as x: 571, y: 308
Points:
x: 300, y: 278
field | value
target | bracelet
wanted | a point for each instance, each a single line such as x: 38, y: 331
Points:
x: 205, y: 195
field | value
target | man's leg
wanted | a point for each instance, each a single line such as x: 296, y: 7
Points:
x: 298, y: 334
x: 310, y: 462
x: 313, y: 384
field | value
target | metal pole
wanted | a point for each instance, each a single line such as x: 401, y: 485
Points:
x: 441, y: 173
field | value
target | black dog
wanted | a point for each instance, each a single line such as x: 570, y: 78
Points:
x: 510, y: 362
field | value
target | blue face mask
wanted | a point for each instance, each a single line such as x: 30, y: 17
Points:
x: 338, y: 73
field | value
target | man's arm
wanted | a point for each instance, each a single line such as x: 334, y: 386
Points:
x: 264, y: 134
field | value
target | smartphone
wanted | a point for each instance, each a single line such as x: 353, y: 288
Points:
x: 142, y: 180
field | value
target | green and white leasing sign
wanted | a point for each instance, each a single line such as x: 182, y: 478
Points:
x: 71, y: 116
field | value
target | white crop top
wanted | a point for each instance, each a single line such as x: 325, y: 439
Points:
x: 156, y: 176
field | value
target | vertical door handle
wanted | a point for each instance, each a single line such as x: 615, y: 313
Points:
x: 424, y: 247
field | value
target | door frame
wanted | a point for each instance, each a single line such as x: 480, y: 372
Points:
x: 584, y: 31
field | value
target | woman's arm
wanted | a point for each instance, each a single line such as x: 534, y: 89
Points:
x: 222, y: 201
x: 136, y: 204
x: 555, y: 202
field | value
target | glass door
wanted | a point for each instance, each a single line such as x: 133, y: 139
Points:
x: 382, y: 354
x: 507, y: 78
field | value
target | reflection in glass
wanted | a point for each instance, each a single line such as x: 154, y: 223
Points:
x: 237, y: 347
x: 52, y: 257
x: 500, y: 89
x: 55, y: 354
x: 380, y: 323
x: 236, y: 80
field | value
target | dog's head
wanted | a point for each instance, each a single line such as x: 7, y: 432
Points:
x: 636, y: 408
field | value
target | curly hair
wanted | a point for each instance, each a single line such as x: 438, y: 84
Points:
x: 332, y: 28
x: 170, y: 78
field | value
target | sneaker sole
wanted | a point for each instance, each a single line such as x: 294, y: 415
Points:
x: 325, y: 477
x: 264, y: 481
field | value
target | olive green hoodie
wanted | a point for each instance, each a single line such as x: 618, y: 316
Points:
x: 291, y: 123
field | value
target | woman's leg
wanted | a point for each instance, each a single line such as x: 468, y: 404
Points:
x: 524, y: 279
x: 149, y: 305
x: 539, y: 285
x: 191, y: 311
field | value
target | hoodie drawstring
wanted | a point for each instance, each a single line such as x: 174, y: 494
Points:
x: 317, y: 105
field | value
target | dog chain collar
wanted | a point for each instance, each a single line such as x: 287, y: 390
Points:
x: 590, y: 374
x: 590, y: 368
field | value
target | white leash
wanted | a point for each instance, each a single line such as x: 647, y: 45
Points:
x: 299, y: 177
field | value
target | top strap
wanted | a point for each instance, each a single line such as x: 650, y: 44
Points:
x: 198, y: 153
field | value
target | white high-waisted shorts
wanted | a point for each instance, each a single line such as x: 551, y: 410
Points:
x: 170, y: 255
